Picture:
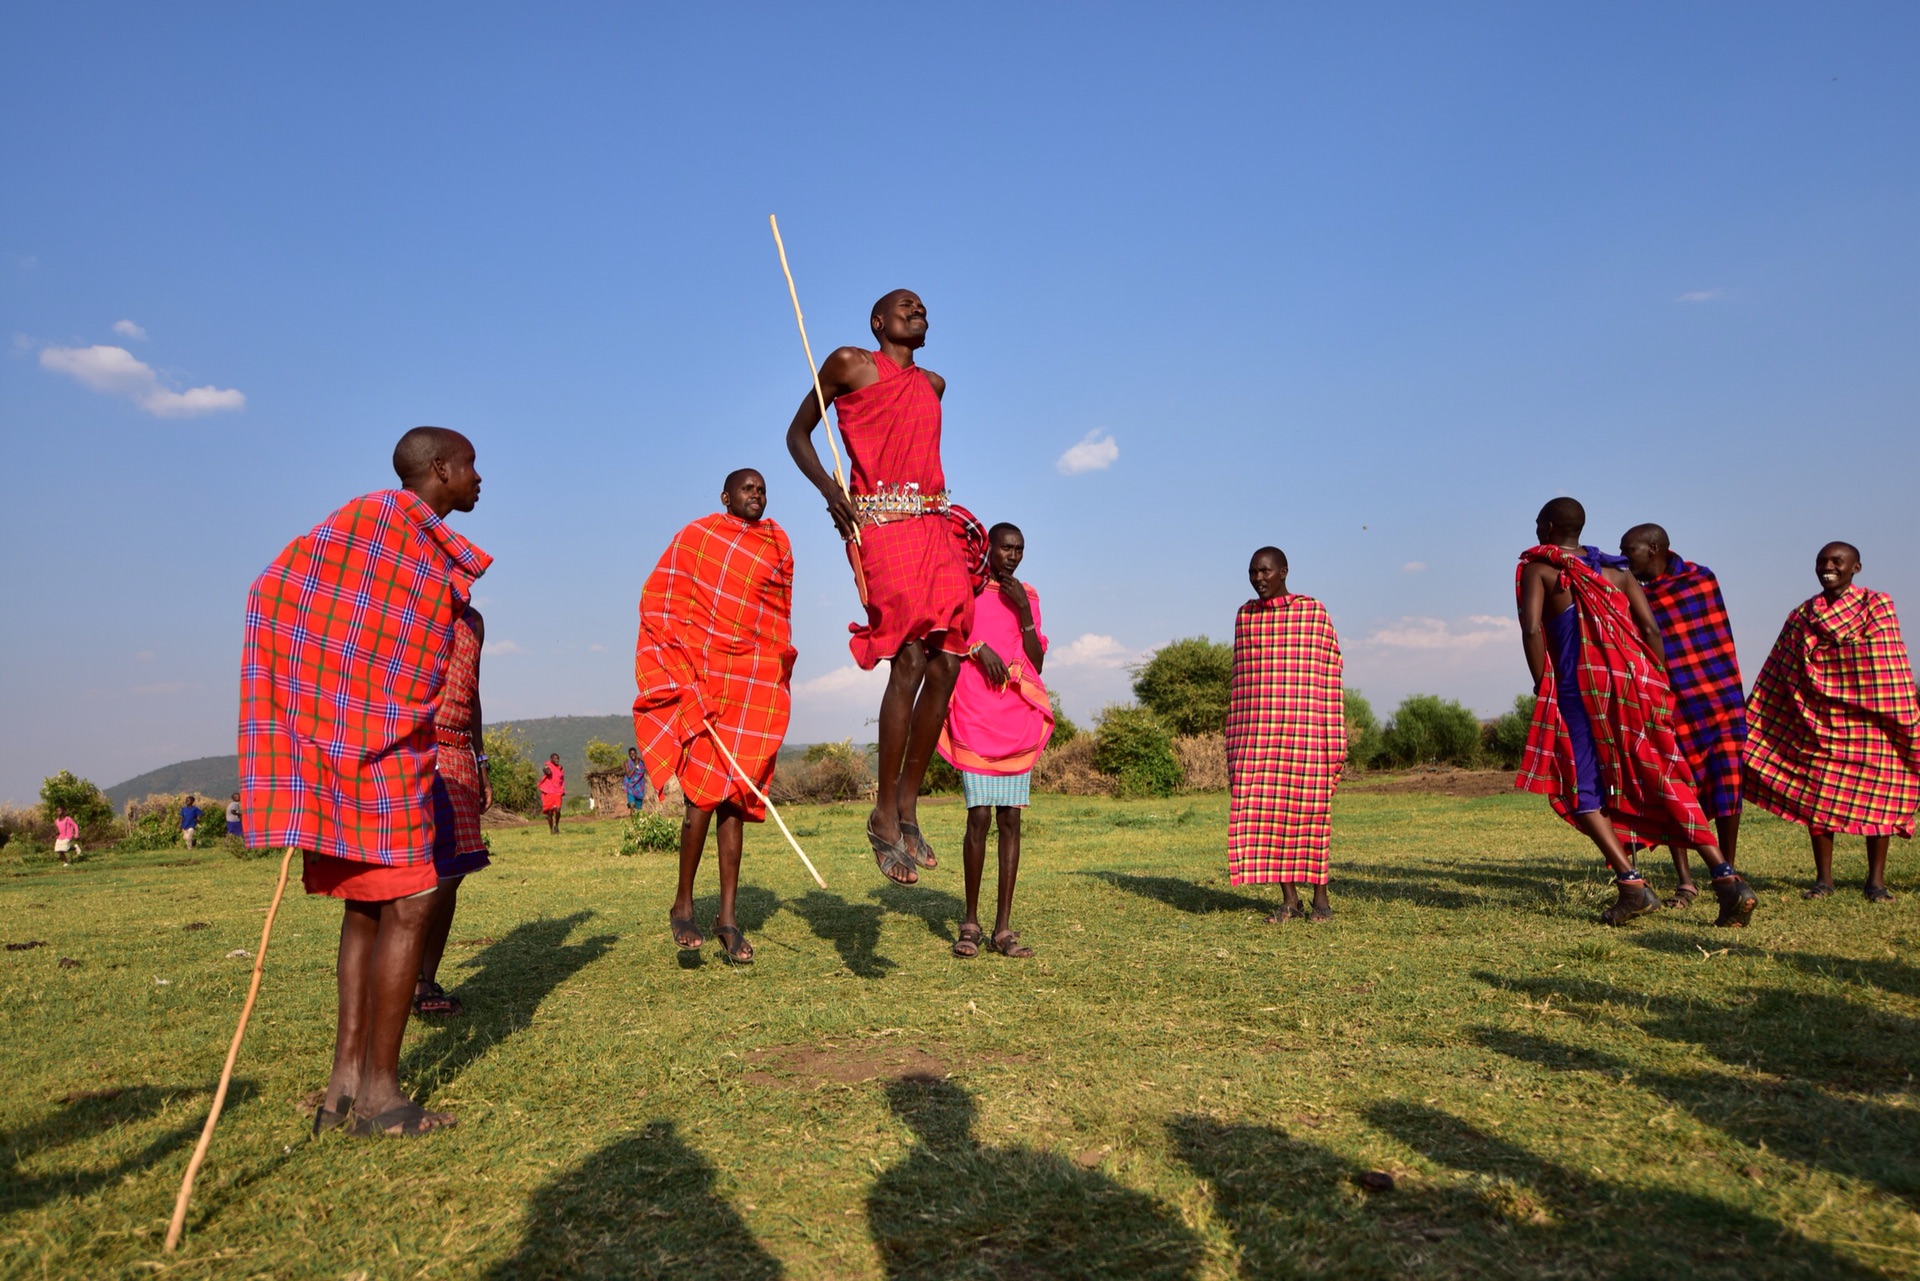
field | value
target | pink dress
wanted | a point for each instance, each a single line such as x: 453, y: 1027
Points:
x: 998, y: 731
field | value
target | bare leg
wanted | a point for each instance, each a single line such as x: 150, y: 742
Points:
x: 395, y: 961
x: 1728, y: 830
x: 439, y: 926
x: 1822, y: 864
x: 904, y: 676
x: 1008, y: 819
x: 1877, y: 847
x: 1682, y: 869
x: 1599, y: 829
x: 732, y: 938
x: 693, y: 839
x: 359, y: 925
x: 973, y: 858
x: 1322, y: 905
x: 929, y: 714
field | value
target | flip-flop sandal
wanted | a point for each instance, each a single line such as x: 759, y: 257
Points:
x: 892, y: 858
x: 1737, y: 901
x: 682, y: 928
x: 407, y: 1121
x: 1879, y: 894
x: 1319, y: 915
x: 1819, y: 889
x: 1627, y: 909
x: 1286, y: 912
x: 1683, y: 896
x: 917, y: 848
x: 733, y: 944
x: 435, y: 1003
x: 967, y: 946
x: 325, y: 1118
x: 1007, y: 943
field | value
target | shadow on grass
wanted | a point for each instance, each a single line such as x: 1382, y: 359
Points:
x: 1184, y: 896
x: 642, y: 1206
x: 509, y: 980
x: 955, y: 1208
x: 1561, y: 1221
x: 852, y: 928
x: 89, y: 1116
x: 753, y: 907
x: 939, y: 910
x: 1888, y: 976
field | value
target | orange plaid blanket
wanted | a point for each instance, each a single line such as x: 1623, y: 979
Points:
x: 349, y: 634
x: 1833, y: 727
x: 716, y: 648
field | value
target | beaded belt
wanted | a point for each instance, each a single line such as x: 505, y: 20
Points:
x: 898, y: 502
x: 449, y: 737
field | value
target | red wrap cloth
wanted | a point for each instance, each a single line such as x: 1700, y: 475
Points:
x: 1709, y: 710
x: 1834, y: 725
x: 917, y: 582
x: 458, y: 797
x: 1286, y: 742
x: 716, y: 648
x: 348, y: 636
x: 1647, y: 790
x: 998, y: 732
x: 553, y: 786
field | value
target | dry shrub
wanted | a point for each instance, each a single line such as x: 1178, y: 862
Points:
x: 24, y: 825
x: 1068, y: 769
x: 830, y: 776
x: 1203, y: 762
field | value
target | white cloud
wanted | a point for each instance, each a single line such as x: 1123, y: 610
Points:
x: 1095, y: 452
x: 596, y: 648
x: 115, y: 371
x: 1475, y: 631
x: 848, y: 681
x: 1700, y: 295
x: 1090, y: 650
x: 1414, y: 567
x: 127, y: 329
x: 503, y: 647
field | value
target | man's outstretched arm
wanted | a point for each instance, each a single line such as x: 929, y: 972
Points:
x: 836, y: 380
x: 1533, y: 605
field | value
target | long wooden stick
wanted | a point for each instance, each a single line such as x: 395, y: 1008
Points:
x: 226, y: 1074
x: 768, y: 802
x: 820, y: 395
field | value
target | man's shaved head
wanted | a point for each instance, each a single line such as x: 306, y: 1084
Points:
x: 880, y: 305
x: 737, y: 475
x: 1564, y: 513
x: 1003, y: 527
x: 1651, y: 534
x: 417, y: 451
x: 1836, y: 544
x: 1274, y: 552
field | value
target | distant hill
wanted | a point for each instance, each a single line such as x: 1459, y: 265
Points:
x: 567, y: 735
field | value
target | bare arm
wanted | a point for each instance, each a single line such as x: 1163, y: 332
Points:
x: 1533, y: 608
x: 1642, y: 615
x: 846, y: 370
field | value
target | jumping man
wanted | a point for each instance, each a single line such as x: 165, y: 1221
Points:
x: 919, y: 594
x: 715, y: 659
x: 1601, y: 745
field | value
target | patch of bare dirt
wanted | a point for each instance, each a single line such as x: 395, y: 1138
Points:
x: 802, y: 1067
x: 497, y: 817
x: 1443, y: 780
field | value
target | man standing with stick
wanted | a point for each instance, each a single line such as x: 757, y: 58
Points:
x: 350, y: 633
x: 714, y: 665
x: 919, y: 593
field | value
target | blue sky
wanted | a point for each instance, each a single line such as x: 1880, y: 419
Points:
x: 1369, y: 282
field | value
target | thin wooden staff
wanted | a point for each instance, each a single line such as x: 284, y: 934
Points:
x: 768, y: 802
x: 226, y: 1074
x: 820, y: 395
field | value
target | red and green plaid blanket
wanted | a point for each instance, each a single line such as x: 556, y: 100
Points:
x: 1834, y: 737
x: 1647, y: 788
x: 349, y: 634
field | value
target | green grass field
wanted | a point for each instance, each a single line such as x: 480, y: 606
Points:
x: 1169, y: 1088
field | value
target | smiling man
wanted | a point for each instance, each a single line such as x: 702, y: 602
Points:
x: 1601, y: 746
x: 715, y: 658
x: 1834, y: 725
x: 1709, y: 710
x: 350, y: 633
x: 919, y: 592
x: 1286, y: 740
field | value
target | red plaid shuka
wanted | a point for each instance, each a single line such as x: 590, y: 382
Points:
x: 1286, y: 741
x: 458, y: 798
x: 715, y: 648
x: 1709, y: 709
x: 1647, y: 790
x: 349, y: 633
x: 1835, y: 737
x: 917, y: 582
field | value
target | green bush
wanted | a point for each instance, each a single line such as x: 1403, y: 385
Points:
x: 603, y: 755
x: 1064, y: 730
x: 1136, y: 750
x: 650, y: 832
x: 942, y: 778
x: 1505, y: 739
x: 516, y: 784
x: 1429, y: 730
x: 1364, y: 741
x: 153, y: 823
x: 80, y: 798
x: 1185, y: 684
